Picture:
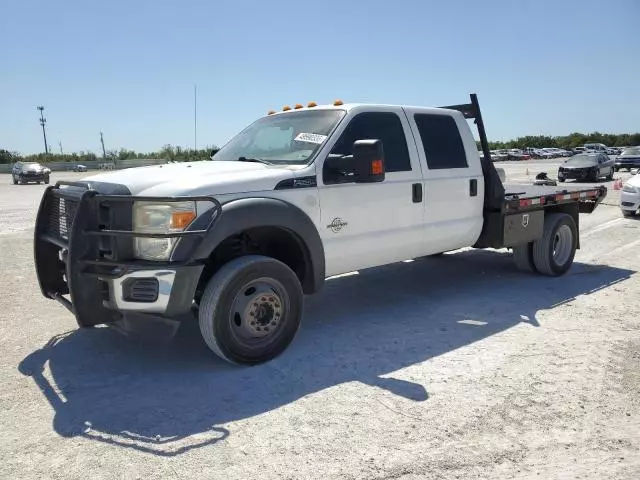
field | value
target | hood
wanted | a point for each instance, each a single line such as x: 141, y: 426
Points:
x: 634, y: 181
x: 197, y: 178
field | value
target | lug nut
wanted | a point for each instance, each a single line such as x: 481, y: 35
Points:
x: 266, y: 329
x: 273, y: 324
x: 253, y: 323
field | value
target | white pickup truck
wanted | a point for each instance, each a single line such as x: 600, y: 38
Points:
x: 298, y: 196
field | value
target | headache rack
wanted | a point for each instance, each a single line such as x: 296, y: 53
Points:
x: 78, y: 226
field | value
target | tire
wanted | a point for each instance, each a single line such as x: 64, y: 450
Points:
x: 610, y: 176
x: 15, y: 182
x: 523, y: 256
x: 560, y: 232
x: 275, y: 292
x: 561, y: 180
x: 616, y: 168
x: 628, y: 213
x: 46, y: 180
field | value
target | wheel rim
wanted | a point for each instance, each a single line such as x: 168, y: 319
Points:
x: 258, y: 312
x: 562, y: 245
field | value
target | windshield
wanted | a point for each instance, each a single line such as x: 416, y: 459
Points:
x: 31, y: 166
x: 581, y: 160
x: 290, y: 138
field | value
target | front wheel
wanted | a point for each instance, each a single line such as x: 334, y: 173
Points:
x: 628, y: 213
x: 15, y: 182
x: 610, y: 176
x: 561, y: 180
x: 553, y: 253
x: 46, y: 180
x: 251, y: 310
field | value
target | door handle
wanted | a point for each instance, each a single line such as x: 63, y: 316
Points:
x: 473, y: 187
x: 416, y: 192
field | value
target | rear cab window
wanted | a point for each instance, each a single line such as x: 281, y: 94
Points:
x: 441, y: 141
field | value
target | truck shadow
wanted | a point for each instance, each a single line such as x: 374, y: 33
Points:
x: 166, y: 399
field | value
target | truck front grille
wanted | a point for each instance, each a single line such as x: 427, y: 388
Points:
x: 61, y: 214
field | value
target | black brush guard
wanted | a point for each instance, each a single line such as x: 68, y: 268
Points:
x: 83, y: 237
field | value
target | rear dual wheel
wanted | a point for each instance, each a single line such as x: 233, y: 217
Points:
x: 552, y: 254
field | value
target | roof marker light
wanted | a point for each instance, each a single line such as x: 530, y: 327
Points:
x: 286, y: 108
x: 338, y: 103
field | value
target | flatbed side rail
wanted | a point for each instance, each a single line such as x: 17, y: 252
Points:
x: 588, y: 199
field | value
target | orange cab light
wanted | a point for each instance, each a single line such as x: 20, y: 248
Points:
x: 180, y: 220
x: 271, y: 112
x: 286, y: 108
x: 338, y: 102
x: 377, y: 167
x: 312, y: 104
x: 298, y: 106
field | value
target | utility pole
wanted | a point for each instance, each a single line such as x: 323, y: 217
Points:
x: 104, y: 153
x: 44, y: 133
x: 195, y: 117
x: 60, y: 145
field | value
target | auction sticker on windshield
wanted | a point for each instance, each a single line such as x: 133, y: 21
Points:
x: 310, y: 138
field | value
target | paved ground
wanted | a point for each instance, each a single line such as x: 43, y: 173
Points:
x: 453, y: 367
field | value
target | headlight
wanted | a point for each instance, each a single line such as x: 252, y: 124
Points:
x: 629, y: 189
x: 152, y: 217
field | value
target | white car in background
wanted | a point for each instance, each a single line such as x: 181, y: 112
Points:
x: 630, y: 196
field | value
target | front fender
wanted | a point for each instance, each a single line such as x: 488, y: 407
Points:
x: 245, y: 213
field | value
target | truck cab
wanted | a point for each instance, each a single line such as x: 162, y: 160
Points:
x: 297, y: 196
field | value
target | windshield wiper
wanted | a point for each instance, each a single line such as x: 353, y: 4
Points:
x: 257, y: 160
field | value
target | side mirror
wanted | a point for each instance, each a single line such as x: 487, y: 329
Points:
x: 368, y: 161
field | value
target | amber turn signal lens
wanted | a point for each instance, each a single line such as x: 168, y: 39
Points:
x: 377, y: 167
x: 312, y: 104
x: 181, y: 220
x: 298, y: 106
x: 286, y: 108
x: 338, y: 102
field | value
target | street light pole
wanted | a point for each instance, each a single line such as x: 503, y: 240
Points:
x: 44, y: 133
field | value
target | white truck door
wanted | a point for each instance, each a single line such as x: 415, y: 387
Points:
x: 453, y: 181
x: 366, y: 225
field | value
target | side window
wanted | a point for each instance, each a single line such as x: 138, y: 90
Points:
x: 384, y: 126
x: 443, y: 147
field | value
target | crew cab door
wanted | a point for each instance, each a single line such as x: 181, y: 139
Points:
x: 453, y: 180
x: 369, y: 224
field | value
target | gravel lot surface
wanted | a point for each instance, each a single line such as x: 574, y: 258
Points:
x: 451, y: 367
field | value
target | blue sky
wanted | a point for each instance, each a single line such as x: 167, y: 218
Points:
x: 128, y: 68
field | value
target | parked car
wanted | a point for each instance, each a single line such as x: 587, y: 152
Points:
x: 517, y: 154
x: 578, y: 150
x: 586, y: 166
x: 544, y: 153
x: 79, y: 168
x: 630, y: 196
x: 499, y: 155
x: 29, y: 172
x: 629, y: 158
x: 596, y: 147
